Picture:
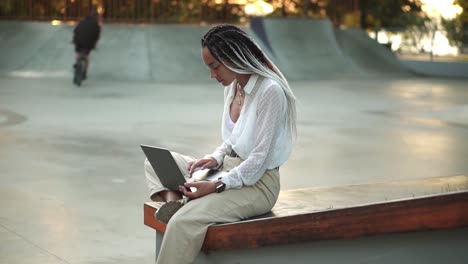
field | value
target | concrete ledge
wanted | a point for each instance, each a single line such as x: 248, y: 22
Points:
x: 439, y: 69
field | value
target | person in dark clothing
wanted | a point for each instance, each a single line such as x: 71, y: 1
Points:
x: 85, y: 36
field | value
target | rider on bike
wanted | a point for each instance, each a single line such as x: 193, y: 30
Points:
x: 85, y: 36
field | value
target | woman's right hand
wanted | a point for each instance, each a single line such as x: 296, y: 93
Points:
x: 207, y: 163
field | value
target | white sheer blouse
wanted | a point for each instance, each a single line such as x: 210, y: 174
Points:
x: 260, y: 136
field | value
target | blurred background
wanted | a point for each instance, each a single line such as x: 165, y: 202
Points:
x: 413, y: 29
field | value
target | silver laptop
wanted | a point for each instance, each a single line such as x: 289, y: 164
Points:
x: 165, y: 167
x: 168, y: 172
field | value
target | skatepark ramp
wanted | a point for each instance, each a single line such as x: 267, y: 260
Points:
x: 124, y: 52
x: 308, y: 49
x: 372, y: 58
x: 34, y: 49
x: 304, y: 49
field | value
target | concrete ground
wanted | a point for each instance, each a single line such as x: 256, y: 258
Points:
x: 71, y: 168
x: 72, y: 184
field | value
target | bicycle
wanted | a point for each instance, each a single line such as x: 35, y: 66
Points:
x: 80, y: 69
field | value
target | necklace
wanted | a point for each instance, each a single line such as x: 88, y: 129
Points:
x: 240, y: 97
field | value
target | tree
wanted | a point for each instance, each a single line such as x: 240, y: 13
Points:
x: 308, y: 8
x: 392, y: 15
x: 457, y: 28
x: 284, y: 8
x: 6, y: 7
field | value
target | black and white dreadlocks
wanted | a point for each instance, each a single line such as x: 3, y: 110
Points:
x: 236, y: 50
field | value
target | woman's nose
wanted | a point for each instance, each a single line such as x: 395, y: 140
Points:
x: 212, y: 74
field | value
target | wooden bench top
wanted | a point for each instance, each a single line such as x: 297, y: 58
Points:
x: 350, y: 211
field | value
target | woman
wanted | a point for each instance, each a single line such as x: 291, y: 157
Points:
x: 258, y: 127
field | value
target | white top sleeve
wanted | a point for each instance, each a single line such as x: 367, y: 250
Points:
x: 219, y: 153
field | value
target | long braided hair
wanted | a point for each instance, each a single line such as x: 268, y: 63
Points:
x: 236, y: 50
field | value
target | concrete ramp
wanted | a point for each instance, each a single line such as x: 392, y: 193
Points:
x: 372, y: 58
x: 124, y: 52
x: 29, y: 48
x: 151, y: 52
x: 161, y: 53
x: 306, y: 49
x: 310, y: 49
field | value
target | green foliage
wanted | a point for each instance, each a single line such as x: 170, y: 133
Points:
x: 454, y: 27
x: 454, y: 31
x: 464, y: 15
x: 391, y: 15
x: 6, y: 6
x: 308, y: 8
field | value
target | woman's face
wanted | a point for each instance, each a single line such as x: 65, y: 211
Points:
x: 217, y: 70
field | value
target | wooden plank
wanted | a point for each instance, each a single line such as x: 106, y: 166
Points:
x: 149, y: 219
x: 344, y: 212
x: 303, y: 201
x: 428, y: 213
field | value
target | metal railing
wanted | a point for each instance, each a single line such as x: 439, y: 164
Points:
x: 163, y: 11
x: 132, y: 11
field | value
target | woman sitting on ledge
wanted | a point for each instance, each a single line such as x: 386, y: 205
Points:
x: 258, y: 128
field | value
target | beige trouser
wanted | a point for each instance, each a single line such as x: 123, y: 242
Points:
x: 186, y: 230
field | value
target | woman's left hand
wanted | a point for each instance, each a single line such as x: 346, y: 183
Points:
x: 203, y: 188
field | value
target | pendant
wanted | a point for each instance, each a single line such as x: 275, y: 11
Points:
x: 239, y: 96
